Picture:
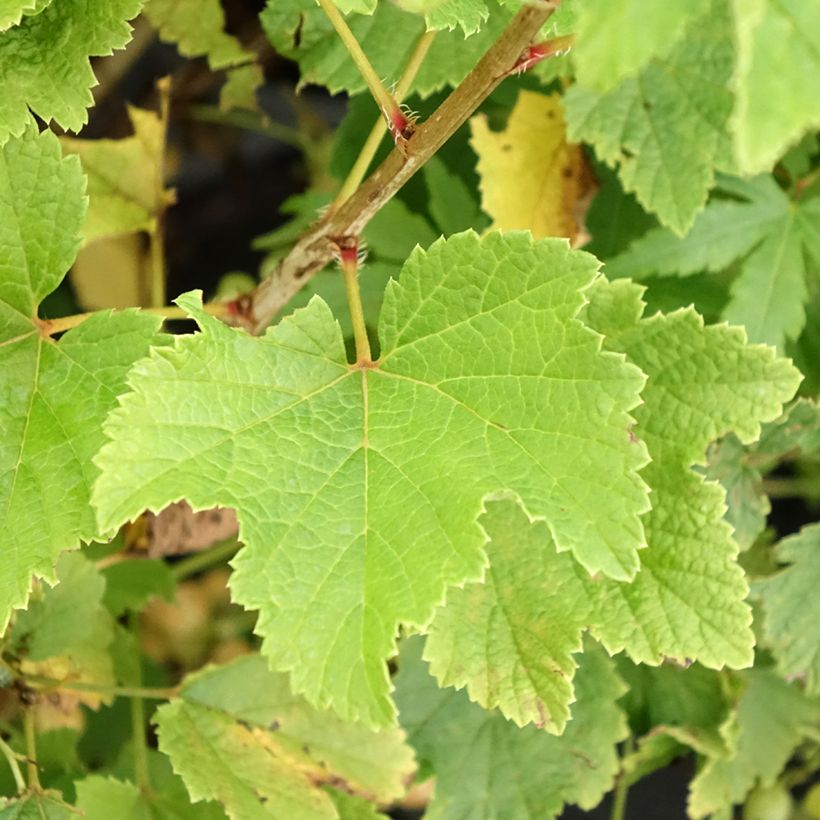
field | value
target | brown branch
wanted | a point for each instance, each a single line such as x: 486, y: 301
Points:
x: 315, y: 249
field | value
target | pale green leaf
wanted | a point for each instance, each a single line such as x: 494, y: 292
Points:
x: 241, y: 85
x: 238, y: 735
x: 775, y: 78
x: 101, y: 798
x: 12, y: 11
x: 197, y: 29
x: 358, y: 487
x: 687, y: 601
x: 353, y: 807
x: 510, y: 639
x: 617, y: 38
x: 44, y: 61
x: 129, y: 585
x: 64, y: 614
x: 791, y: 609
x: 55, y: 395
x: 124, y: 177
x: 388, y: 37
x: 665, y: 130
x: 487, y: 767
x: 771, y: 718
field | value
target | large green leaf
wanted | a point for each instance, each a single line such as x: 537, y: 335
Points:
x: 775, y: 78
x: 300, y: 30
x: 54, y: 395
x: 791, y: 621
x: 487, y: 767
x: 238, y: 735
x: 358, y: 487
x: 510, y: 640
x: 665, y: 129
x: 44, y: 61
x: 687, y: 601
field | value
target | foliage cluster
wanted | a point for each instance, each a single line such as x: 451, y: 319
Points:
x: 502, y: 492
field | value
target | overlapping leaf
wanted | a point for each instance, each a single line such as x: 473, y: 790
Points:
x: 665, y: 129
x: 761, y: 226
x: 44, y: 61
x: 510, y: 639
x: 485, y: 766
x: 13, y: 11
x: 239, y: 736
x: 740, y: 468
x: 687, y: 600
x: 300, y: 30
x: 770, y: 719
x: 776, y: 87
x: 531, y: 178
x: 358, y: 487
x: 791, y: 621
x: 197, y: 29
x: 55, y: 395
x: 124, y: 177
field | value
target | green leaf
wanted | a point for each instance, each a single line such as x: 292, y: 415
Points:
x: 726, y: 230
x: 46, y: 805
x: 388, y: 37
x: 12, y: 11
x: 740, y: 469
x: 485, y: 766
x: 100, y: 798
x: 64, y: 615
x: 687, y: 601
x: 356, y: 521
x: 131, y: 584
x: 775, y: 78
x: 241, y: 85
x: 665, y: 130
x: 791, y: 609
x: 44, y: 61
x: 56, y: 395
x: 196, y: 27
x: 510, y: 639
x: 765, y: 229
x: 617, y: 38
x: 124, y: 177
x: 452, y: 205
x: 238, y: 735
x: 353, y: 807
x: 771, y: 718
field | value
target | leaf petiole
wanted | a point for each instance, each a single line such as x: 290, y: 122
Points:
x: 396, y: 120
x: 354, y: 179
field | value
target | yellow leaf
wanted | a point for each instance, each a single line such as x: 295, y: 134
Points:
x: 124, y: 177
x: 531, y: 177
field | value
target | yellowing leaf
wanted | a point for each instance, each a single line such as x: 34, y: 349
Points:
x: 124, y: 177
x: 531, y: 177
